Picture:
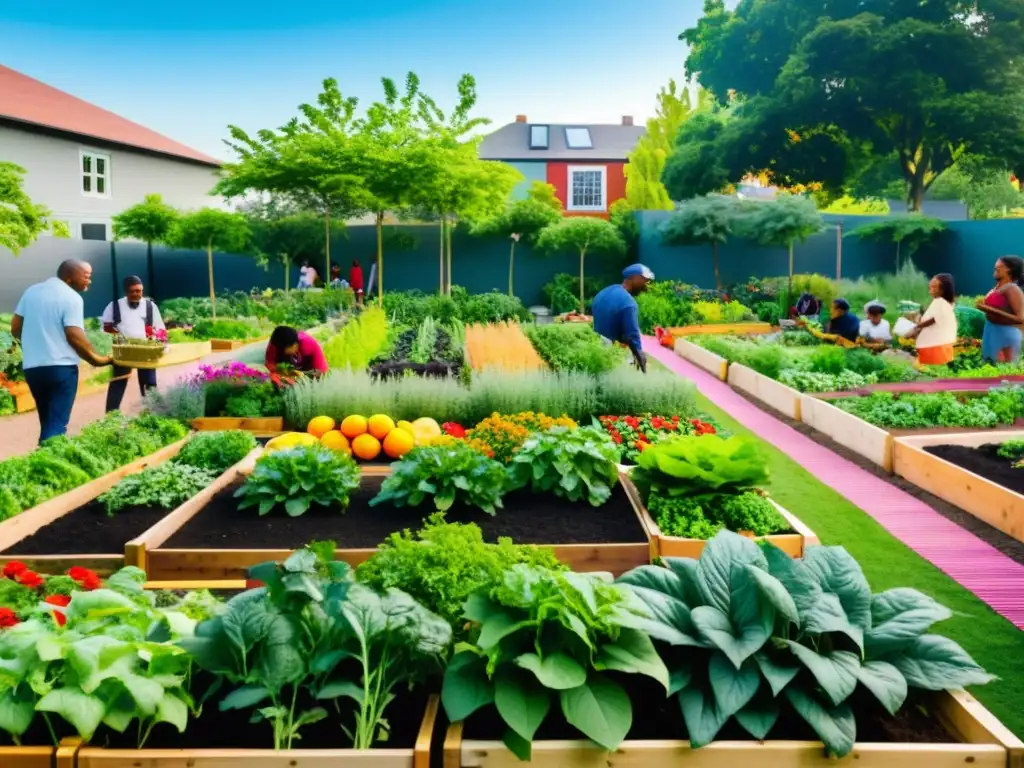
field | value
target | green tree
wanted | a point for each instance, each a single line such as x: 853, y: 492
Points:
x: 290, y: 237
x: 644, y: 189
x: 708, y: 220
x: 211, y: 229
x: 151, y: 221
x: 784, y: 221
x: 582, y: 234
x: 314, y: 160
x: 522, y: 221
x: 21, y: 220
x: 909, y: 233
x: 824, y: 85
x: 695, y: 166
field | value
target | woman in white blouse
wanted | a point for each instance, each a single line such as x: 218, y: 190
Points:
x: 876, y: 327
x: 936, y: 331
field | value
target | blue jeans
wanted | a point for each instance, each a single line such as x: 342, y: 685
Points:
x: 53, y: 387
x: 115, y: 391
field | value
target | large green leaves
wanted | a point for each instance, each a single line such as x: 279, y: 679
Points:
x: 835, y: 726
x: 521, y: 700
x: 688, y: 465
x: 701, y: 714
x: 936, y: 663
x: 836, y: 672
x: 733, y: 688
x: 600, y: 709
x: 726, y: 552
x: 576, y: 464
x: 296, y: 478
x: 899, y: 617
x: 83, y: 711
x: 559, y: 671
x: 841, y: 575
x: 886, y: 682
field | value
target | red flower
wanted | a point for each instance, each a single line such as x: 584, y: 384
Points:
x: 454, y: 430
x: 617, y: 438
x: 675, y: 419
x: 13, y: 568
x: 8, y: 618
x: 62, y: 601
x: 87, y: 580
x: 30, y: 579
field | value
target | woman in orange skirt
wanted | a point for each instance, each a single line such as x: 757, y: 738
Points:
x: 936, y: 331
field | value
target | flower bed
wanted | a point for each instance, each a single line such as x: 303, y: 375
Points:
x: 559, y: 488
x: 633, y: 434
x: 976, y: 471
x: 93, y: 524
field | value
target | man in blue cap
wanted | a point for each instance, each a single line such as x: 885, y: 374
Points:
x: 616, y: 314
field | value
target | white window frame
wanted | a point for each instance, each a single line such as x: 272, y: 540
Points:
x: 95, y: 155
x: 572, y: 171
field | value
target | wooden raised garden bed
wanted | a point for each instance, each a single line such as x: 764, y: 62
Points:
x: 976, y: 739
x: 417, y: 755
x: 793, y: 544
x: 697, y: 330
x: 229, y: 345
x: 270, y: 426
x: 783, y: 399
x: 30, y: 530
x: 26, y: 757
x: 708, y: 361
x: 949, y: 479
x: 209, y: 539
x: 871, y: 442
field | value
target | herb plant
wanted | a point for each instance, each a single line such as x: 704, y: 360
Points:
x: 573, y: 347
x: 297, y: 478
x: 749, y: 632
x: 574, y: 464
x: 701, y: 517
x: 164, y: 486
x: 448, y: 474
x: 217, y: 451
x: 545, y: 636
x: 1012, y: 450
x: 312, y: 634
x: 444, y: 563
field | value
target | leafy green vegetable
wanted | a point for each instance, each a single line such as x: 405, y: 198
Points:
x: 450, y: 474
x: 746, y: 630
x: 1001, y: 405
x: 217, y: 451
x: 297, y: 478
x: 165, y: 486
x: 444, y: 563
x: 1012, y: 450
x: 573, y: 347
x: 692, y: 465
x: 701, y: 517
x: 310, y: 630
x: 575, y: 464
x: 547, y: 635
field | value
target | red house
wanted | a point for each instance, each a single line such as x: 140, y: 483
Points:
x: 584, y: 163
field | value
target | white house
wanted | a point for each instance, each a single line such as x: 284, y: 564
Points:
x: 86, y: 164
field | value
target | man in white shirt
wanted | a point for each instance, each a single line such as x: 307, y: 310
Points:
x: 134, y: 317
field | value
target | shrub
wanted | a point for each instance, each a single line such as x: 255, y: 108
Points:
x: 661, y: 305
x: 864, y: 362
x: 718, y: 312
x: 828, y: 359
x: 239, y: 330
x: 563, y: 292
x: 766, y: 360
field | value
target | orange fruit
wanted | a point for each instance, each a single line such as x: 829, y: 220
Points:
x: 335, y: 441
x: 353, y: 426
x: 320, y: 425
x: 398, y: 443
x: 380, y: 425
x: 366, y: 447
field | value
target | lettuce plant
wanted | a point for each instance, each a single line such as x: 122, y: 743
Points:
x: 297, y: 478
x: 312, y: 631
x: 748, y: 631
x: 544, y: 636
x: 690, y: 465
x: 574, y: 464
x: 448, y: 474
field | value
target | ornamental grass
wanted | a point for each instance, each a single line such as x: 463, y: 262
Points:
x: 501, y: 346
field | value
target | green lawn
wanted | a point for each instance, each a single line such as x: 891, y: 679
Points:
x: 992, y: 640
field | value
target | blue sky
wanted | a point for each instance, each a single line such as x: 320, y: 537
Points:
x: 187, y: 68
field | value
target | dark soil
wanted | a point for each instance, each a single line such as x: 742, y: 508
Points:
x: 655, y: 717
x: 992, y: 536
x: 527, y: 518
x: 985, y: 461
x: 88, y: 530
x: 232, y: 729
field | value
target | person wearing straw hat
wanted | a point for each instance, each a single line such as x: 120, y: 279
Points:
x: 135, y: 317
x: 616, y: 314
x: 875, y: 327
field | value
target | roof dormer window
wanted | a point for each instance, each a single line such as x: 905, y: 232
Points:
x: 578, y: 138
x: 539, y: 136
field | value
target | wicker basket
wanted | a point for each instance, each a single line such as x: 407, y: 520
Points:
x: 138, y: 352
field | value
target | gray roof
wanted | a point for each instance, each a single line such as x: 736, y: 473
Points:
x: 512, y: 142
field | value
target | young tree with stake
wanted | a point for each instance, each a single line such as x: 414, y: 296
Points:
x: 784, y: 221
x: 210, y: 229
x: 707, y: 220
x: 582, y: 234
x: 151, y: 221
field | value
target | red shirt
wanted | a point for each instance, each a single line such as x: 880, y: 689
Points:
x: 309, y: 358
x: 355, y: 278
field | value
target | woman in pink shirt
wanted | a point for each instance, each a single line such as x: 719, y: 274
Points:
x: 299, y: 350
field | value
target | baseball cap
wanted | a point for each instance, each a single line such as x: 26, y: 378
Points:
x: 637, y: 269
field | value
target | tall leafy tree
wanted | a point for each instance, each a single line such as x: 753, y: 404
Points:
x: 582, y: 235
x: 522, y: 221
x: 644, y: 188
x: 908, y: 233
x: 708, y: 220
x: 210, y: 229
x: 784, y: 221
x: 823, y: 85
x: 289, y: 237
x: 151, y: 221
x: 21, y: 220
